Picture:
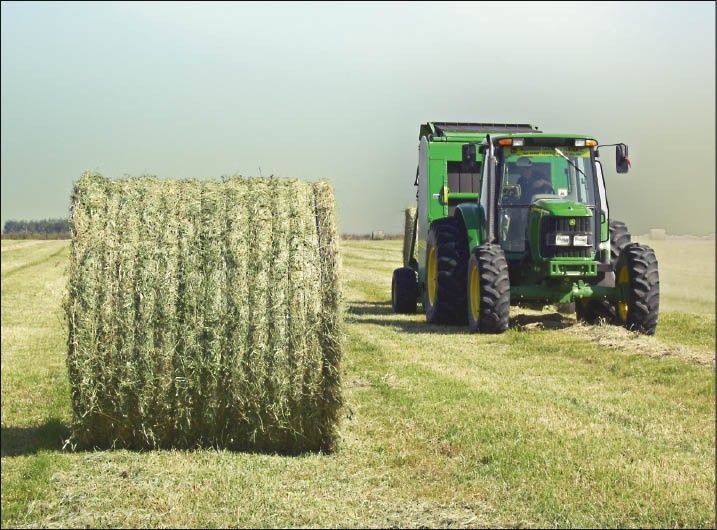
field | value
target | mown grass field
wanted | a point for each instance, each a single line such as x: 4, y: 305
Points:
x: 550, y: 424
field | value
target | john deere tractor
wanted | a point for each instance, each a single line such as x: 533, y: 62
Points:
x: 507, y: 214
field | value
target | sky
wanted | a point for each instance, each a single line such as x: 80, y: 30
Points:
x: 338, y: 91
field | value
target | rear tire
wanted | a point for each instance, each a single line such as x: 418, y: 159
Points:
x: 446, y: 264
x: 404, y: 291
x: 619, y: 238
x: 637, y: 272
x: 488, y: 289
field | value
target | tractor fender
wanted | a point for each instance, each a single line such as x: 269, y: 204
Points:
x: 474, y: 220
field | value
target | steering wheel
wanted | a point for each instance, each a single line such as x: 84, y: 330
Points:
x: 542, y: 186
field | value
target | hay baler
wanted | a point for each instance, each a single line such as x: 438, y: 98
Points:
x: 507, y: 214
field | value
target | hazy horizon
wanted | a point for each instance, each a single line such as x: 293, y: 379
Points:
x: 339, y: 91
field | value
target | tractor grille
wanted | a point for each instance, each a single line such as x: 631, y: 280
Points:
x: 561, y: 225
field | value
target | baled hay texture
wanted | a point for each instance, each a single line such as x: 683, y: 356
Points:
x: 408, y: 229
x: 204, y: 314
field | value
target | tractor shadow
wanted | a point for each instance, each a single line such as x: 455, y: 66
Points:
x: 19, y: 441
x: 529, y: 322
x: 381, y: 314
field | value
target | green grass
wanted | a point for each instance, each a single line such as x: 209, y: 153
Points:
x: 571, y: 426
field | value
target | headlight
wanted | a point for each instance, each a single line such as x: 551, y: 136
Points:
x: 562, y: 240
x: 581, y: 241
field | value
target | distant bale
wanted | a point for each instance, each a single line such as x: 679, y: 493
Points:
x: 378, y: 235
x: 408, y: 235
x: 204, y: 314
x: 658, y: 234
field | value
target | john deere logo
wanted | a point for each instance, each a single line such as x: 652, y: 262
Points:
x: 571, y: 222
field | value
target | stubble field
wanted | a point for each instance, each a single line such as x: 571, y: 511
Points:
x: 550, y: 424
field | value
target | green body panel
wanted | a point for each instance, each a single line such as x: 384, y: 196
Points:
x: 439, y: 154
x: 474, y: 221
x: 551, y: 280
x: 562, y: 208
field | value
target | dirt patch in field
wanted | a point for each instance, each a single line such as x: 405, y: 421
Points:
x: 617, y: 338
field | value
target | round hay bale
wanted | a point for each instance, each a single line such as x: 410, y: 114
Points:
x: 408, y: 235
x: 658, y: 234
x: 377, y: 235
x: 204, y: 314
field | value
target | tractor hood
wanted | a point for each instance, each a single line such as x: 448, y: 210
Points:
x: 562, y: 208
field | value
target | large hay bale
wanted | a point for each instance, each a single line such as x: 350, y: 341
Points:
x: 378, y: 235
x: 658, y: 234
x: 204, y: 314
x: 408, y: 229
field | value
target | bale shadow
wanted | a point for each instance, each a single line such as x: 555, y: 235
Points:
x: 52, y: 435
x: 19, y: 441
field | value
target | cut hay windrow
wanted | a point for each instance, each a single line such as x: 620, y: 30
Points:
x: 408, y: 229
x: 204, y: 313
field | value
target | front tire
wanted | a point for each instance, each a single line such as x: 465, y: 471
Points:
x: 593, y: 311
x: 446, y: 263
x: 488, y: 286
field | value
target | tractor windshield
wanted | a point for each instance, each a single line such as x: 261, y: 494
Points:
x: 527, y: 174
x: 530, y: 173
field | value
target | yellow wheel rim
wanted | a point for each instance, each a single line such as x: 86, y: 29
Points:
x: 623, y: 278
x: 475, y: 293
x: 432, y: 275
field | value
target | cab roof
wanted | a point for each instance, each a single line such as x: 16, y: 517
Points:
x: 560, y: 136
x: 445, y: 129
x: 477, y: 132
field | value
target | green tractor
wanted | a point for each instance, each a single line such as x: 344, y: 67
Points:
x: 507, y: 214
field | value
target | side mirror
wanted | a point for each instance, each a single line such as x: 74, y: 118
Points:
x: 622, y: 162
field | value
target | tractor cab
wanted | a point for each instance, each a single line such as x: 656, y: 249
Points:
x: 548, y: 198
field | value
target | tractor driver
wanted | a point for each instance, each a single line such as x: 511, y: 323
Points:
x: 531, y: 183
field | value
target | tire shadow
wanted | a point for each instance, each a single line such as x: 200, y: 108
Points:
x: 381, y: 314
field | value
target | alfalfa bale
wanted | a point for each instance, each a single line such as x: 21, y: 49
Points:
x: 204, y: 314
x: 658, y: 234
x: 408, y: 234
